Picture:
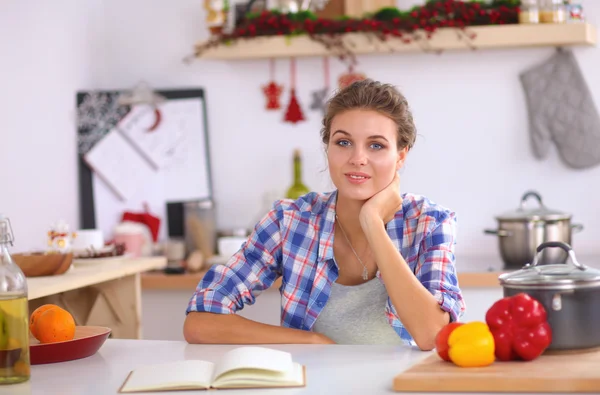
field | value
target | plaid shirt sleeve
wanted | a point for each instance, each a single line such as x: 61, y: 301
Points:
x: 435, y: 267
x: 225, y: 289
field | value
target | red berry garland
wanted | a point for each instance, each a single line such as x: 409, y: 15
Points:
x: 388, y: 23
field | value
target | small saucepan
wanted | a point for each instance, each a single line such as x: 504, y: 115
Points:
x: 570, y: 293
x: 520, y: 231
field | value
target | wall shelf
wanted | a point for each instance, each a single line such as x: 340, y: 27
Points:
x: 487, y: 37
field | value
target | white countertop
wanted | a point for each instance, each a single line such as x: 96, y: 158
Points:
x: 79, y: 276
x: 330, y: 369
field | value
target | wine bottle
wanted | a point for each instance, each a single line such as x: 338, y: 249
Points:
x: 298, y: 188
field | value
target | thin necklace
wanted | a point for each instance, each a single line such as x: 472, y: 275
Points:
x: 365, y: 273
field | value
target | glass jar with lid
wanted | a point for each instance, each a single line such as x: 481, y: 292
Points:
x: 14, y: 314
x: 553, y: 11
x: 529, y: 12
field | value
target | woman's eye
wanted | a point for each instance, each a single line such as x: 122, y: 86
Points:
x: 376, y: 146
x: 343, y: 143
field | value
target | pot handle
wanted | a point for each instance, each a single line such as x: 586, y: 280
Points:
x: 499, y: 232
x: 576, y: 227
x: 562, y: 245
x: 529, y: 194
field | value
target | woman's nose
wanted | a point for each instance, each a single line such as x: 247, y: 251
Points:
x: 358, y: 157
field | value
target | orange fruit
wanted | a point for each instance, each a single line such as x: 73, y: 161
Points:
x: 36, y: 313
x: 54, y: 325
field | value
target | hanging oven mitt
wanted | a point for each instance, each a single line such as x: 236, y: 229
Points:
x: 562, y: 110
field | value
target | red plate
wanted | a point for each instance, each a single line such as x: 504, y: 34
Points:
x: 87, y: 341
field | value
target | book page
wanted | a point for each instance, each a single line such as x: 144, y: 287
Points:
x: 180, y: 375
x: 254, y: 359
x: 257, y: 378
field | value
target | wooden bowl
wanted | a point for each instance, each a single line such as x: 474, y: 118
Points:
x: 42, y: 264
x: 87, y: 341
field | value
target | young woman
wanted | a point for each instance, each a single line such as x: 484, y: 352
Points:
x: 363, y: 264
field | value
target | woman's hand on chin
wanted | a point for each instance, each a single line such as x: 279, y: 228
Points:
x: 383, y: 205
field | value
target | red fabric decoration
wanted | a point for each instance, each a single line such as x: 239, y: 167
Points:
x: 293, y: 113
x: 272, y: 91
x: 350, y: 77
x: 152, y: 222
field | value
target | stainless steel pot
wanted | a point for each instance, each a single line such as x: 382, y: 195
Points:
x: 521, y: 231
x: 569, y: 293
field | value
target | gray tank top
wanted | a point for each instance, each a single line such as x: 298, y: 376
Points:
x: 355, y: 314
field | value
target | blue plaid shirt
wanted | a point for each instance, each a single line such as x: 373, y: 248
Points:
x: 295, y: 241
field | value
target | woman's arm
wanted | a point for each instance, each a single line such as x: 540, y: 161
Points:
x: 225, y: 289
x: 234, y: 329
x: 424, y: 301
x: 417, y: 308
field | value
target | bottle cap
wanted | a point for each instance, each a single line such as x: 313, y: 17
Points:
x: 6, y: 234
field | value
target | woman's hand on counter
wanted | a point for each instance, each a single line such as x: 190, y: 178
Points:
x: 319, y: 338
x: 212, y: 328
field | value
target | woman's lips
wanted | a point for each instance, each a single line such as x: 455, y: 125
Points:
x: 357, y: 178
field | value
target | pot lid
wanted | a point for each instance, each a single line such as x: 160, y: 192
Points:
x: 555, y: 276
x: 538, y: 213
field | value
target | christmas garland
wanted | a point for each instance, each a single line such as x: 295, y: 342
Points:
x: 390, y: 22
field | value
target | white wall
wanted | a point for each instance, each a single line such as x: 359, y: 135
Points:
x: 472, y: 153
x: 47, y: 52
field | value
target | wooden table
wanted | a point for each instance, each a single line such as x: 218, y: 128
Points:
x: 107, y: 293
x: 330, y: 369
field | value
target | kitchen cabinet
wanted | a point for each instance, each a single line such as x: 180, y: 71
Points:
x: 165, y: 297
x: 163, y: 311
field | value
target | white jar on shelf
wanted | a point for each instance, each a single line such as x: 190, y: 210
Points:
x: 529, y: 12
x: 553, y: 11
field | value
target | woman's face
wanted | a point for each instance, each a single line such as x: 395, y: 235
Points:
x: 362, y: 153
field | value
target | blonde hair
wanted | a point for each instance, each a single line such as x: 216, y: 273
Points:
x: 373, y: 95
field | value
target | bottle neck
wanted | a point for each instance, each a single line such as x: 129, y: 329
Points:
x: 5, y: 258
x: 297, y: 170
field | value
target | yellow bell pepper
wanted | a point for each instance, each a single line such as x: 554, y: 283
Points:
x: 471, y: 345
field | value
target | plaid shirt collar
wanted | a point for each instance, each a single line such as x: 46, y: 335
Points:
x: 327, y: 235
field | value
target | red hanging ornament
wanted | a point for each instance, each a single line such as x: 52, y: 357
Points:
x: 293, y: 113
x: 272, y: 90
x: 350, y: 77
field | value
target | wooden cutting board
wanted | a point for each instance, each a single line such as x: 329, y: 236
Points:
x: 551, y: 372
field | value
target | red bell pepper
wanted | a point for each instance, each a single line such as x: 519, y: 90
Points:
x: 520, y: 327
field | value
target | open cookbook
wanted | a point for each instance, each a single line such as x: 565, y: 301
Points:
x: 243, y: 367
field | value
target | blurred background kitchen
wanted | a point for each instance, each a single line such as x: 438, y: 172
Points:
x: 473, y: 152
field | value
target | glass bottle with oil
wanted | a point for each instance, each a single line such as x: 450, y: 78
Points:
x: 14, y: 314
x: 297, y: 188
